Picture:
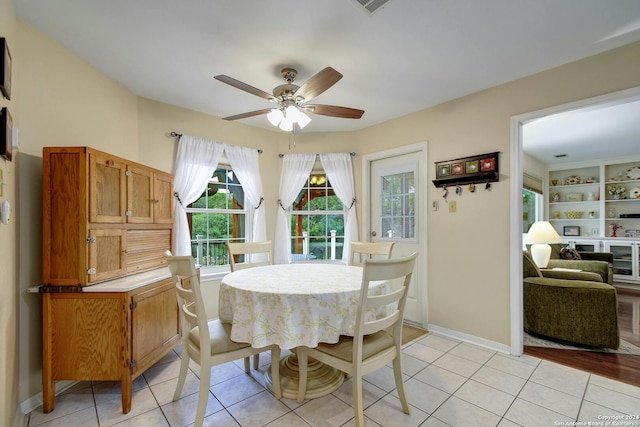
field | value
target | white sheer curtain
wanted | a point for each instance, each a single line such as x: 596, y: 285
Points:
x: 295, y: 171
x: 196, y: 161
x: 339, y: 170
x: 245, y: 163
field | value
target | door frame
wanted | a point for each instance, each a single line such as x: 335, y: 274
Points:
x: 365, y: 224
x: 516, y: 170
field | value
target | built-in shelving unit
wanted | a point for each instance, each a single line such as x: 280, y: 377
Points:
x: 582, y: 205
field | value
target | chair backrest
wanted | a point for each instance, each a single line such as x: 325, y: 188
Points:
x: 190, y: 302
x: 370, y: 250
x: 396, y: 269
x: 250, y: 254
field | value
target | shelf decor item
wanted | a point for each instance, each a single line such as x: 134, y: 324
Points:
x: 635, y: 193
x: 5, y: 68
x: 571, y: 230
x: 615, y: 226
x: 574, y: 214
x: 633, y: 173
x: 482, y: 168
x: 616, y: 191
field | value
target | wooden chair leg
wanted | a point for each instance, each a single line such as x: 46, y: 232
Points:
x: 184, y: 367
x: 203, y: 395
x: 358, y: 405
x: 397, y: 374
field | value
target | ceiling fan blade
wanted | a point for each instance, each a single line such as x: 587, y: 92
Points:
x: 249, y: 114
x: 334, y: 111
x: 245, y: 87
x: 318, y: 83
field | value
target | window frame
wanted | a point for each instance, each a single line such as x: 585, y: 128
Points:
x: 318, y: 212
x: 217, y: 271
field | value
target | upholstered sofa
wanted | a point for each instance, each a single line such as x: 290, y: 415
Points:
x: 577, y: 307
x: 590, y: 261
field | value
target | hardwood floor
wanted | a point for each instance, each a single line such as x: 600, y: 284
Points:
x: 622, y: 367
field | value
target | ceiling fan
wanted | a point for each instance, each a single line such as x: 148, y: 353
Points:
x: 293, y: 100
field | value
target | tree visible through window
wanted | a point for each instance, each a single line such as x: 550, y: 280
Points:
x: 317, y: 221
x: 217, y: 217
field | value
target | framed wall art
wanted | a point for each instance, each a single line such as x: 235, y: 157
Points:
x: 571, y: 230
x: 5, y: 68
x: 478, y: 169
x: 6, y: 133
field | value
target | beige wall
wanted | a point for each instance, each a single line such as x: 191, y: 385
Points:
x: 8, y: 243
x: 64, y: 101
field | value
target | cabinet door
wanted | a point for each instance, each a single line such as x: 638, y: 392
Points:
x: 155, y: 325
x: 139, y: 195
x: 107, y: 197
x: 625, y: 259
x: 163, y: 199
x: 107, y: 254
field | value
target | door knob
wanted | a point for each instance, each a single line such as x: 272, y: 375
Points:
x: 373, y: 233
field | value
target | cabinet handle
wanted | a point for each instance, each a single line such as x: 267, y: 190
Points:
x: 127, y: 213
x: 155, y: 201
x: 110, y: 162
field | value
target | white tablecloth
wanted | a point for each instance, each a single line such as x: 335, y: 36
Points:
x: 293, y: 304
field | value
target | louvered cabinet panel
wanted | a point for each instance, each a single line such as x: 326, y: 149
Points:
x: 146, y: 249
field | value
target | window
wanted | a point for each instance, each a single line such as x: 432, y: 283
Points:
x: 317, y: 221
x: 398, y: 205
x: 217, y: 217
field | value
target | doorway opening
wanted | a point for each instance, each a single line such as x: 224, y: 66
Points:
x: 517, y: 170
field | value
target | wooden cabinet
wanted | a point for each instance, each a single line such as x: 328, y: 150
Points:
x: 100, y: 210
x: 109, y: 307
x: 108, y: 334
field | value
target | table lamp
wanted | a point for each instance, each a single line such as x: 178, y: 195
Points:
x: 540, y: 235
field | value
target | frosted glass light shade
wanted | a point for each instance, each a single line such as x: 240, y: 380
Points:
x: 303, y: 119
x: 275, y: 116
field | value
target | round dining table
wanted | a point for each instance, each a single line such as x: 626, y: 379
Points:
x: 294, y: 305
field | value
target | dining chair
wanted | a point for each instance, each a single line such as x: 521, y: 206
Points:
x: 255, y: 254
x: 207, y: 341
x: 369, y: 250
x: 375, y: 343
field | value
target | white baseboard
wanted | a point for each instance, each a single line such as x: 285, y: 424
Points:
x: 471, y: 339
x: 33, y: 402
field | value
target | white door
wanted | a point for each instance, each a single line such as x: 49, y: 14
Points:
x: 395, y: 211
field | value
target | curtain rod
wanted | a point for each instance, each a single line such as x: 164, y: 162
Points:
x: 175, y: 134
x: 353, y: 153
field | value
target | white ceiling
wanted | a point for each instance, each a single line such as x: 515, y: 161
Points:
x: 405, y: 57
x: 606, y: 130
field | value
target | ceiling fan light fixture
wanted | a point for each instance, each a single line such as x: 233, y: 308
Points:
x: 303, y: 119
x: 275, y: 116
x: 286, y: 124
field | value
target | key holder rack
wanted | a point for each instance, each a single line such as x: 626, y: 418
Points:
x: 480, y: 169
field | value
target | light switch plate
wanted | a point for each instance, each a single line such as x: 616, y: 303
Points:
x: 452, y: 206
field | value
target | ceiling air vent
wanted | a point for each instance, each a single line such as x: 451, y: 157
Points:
x: 371, y: 6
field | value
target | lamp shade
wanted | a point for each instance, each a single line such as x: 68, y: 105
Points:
x: 542, y: 232
x: 540, y: 236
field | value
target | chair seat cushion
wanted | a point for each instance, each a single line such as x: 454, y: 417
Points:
x: 219, y: 334
x: 371, y: 345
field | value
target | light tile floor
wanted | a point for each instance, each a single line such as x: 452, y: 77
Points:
x: 449, y: 383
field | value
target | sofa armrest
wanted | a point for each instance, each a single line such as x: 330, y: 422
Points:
x: 572, y: 275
